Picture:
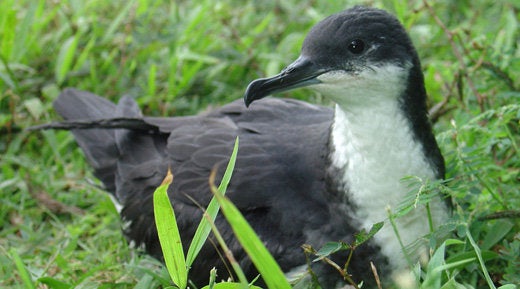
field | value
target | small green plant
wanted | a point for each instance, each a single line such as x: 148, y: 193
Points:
x: 169, y: 237
x: 330, y: 248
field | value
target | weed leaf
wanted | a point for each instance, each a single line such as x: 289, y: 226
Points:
x: 169, y: 236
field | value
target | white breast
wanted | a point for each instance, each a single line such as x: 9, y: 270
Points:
x: 374, y: 146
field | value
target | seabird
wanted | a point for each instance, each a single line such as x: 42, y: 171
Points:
x: 305, y: 174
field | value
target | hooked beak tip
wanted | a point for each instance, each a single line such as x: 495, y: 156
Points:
x: 253, y: 92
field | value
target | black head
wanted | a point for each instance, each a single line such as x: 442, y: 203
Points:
x: 357, y: 36
x: 351, y: 41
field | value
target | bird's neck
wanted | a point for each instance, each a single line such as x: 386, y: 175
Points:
x: 374, y: 146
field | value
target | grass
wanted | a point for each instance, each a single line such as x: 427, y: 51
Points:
x: 58, y: 230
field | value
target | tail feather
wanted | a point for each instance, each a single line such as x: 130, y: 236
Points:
x: 114, y: 138
x: 74, y: 104
x: 99, y: 145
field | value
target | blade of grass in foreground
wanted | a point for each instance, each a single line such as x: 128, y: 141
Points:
x: 204, y: 226
x: 264, y: 262
x: 22, y: 270
x: 169, y: 236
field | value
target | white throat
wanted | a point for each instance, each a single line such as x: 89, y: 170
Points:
x: 375, y: 148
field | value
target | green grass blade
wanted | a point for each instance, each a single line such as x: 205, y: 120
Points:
x: 23, y: 34
x: 264, y: 262
x: 433, y: 277
x: 152, y: 78
x: 8, y: 24
x: 480, y: 259
x: 6, y: 77
x: 118, y: 20
x: 169, y: 236
x: 54, y: 283
x: 65, y: 57
x: 145, y: 282
x: 24, y: 274
x: 229, y: 255
x: 212, y: 210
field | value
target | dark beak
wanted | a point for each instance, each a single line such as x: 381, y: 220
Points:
x: 300, y: 73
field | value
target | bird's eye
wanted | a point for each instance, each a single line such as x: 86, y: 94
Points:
x: 356, y: 46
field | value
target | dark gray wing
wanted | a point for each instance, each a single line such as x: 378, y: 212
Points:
x: 278, y: 182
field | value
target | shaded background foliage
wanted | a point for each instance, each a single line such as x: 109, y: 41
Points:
x: 181, y: 57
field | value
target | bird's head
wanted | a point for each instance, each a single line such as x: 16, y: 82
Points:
x: 346, y: 56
